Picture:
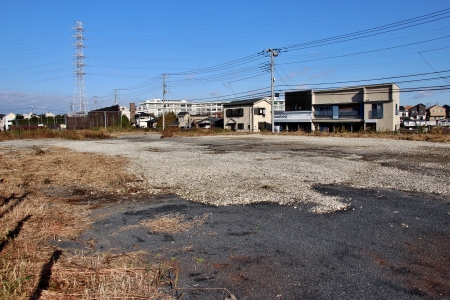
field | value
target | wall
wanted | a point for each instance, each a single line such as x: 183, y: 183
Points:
x: 336, y: 97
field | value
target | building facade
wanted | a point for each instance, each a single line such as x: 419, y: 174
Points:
x: 251, y: 115
x: 155, y: 107
x: 373, y: 107
x: 436, y: 112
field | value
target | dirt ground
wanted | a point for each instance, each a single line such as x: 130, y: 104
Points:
x: 389, y: 244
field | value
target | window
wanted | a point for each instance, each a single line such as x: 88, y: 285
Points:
x: 377, y: 111
x: 240, y: 125
x: 323, y: 111
x: 259, y: 111
x: 238, y: 112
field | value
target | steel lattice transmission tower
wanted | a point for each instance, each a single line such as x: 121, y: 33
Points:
x: 80, y: 98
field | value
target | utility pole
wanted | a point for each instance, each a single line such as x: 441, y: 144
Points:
x: 163, y: 101
x: 273, y: 53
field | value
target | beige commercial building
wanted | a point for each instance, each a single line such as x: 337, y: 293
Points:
x: 354, y: 108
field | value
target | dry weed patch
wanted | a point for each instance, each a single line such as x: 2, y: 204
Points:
x: 34, y: 184
x: 171, y: 223
x: 121, y: 276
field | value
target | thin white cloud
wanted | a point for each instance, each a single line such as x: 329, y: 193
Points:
x: 214, y: 93
x: 22, y: 102
x: 423, y: 94
x: 322, y: 74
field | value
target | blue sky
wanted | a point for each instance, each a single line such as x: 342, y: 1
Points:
x: 213, y: 50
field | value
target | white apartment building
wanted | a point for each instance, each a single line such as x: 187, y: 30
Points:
x: 155, y: 106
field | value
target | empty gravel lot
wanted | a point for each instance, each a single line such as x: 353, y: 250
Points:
x: 359, y: 218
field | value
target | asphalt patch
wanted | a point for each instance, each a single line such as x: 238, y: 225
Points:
x: 389, y: 245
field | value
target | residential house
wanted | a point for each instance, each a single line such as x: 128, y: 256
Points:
x: 145, y: 120
x: 435, y: 113
x: 252, y: 115
x: 29, y: 116
x: 447, y: 110
x: 417, y: 116
x: 125, y: 112
x: 352, y: 108
x: 184, y: 120
x: 6, y: 121
x: 210, y: 122
x: 418, y: 112
x: 195, y: 119
x: 2, y: 122
x: 404, y: 111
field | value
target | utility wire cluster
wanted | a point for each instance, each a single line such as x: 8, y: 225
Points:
x: 255, y: 67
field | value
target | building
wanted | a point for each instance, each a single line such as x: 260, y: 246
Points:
x: 184, y: 120
x: 251, y: 115
x: 125, y: 112
x: 435, y: 113
x: 155, y: 107
x: 356, y: 108
x: 418, y: 112
x: 447, y: 110
x: 6, y: 121
x: 293, y: 121
x: 145, y: 120
x: 29, y: 116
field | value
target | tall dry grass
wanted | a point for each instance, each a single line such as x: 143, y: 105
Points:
x: 36, y: 185
x: 46, y: 133
x: 436, y: 135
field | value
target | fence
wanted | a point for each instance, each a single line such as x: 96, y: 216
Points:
x: 94, y: 119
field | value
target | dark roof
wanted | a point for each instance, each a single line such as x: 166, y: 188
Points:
x: 243, y: 102
x: 109, y: 108
x: 143, y: 114
x: 183, y: 113
x: 419, y: 104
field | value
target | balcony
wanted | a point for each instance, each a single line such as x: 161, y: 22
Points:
x: 348, y: 113
x: 323, y: 113
x: 376, y: 114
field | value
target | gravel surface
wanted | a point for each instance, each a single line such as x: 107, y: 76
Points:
x: 225, y: 170
x: 364, y: 218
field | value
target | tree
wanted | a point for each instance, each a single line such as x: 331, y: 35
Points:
x: 125, y: 122
x: 168, y: 118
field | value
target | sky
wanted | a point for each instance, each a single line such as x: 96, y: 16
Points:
x: 217, y: 50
